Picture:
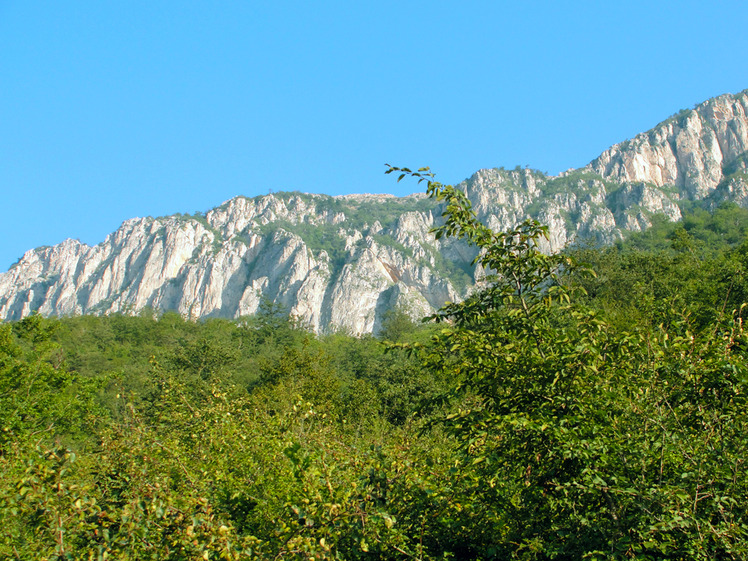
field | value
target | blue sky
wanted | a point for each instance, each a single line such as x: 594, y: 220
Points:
x: 111, y: 110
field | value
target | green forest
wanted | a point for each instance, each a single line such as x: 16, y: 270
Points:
x: 584, y: 405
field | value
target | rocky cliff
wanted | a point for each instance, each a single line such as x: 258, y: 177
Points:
x: 689, y: 151
x: 342, y: 262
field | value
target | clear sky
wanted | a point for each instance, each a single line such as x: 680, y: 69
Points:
x: 111, y: 110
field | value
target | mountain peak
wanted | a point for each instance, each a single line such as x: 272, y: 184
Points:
x: 343, y: 262
x: 688, y: 151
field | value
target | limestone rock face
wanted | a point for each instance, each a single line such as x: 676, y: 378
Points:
x: 299, y: 250
x: 343, y: 262
x: 689, y: 150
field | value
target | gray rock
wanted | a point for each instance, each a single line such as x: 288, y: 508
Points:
x: 339, y: 263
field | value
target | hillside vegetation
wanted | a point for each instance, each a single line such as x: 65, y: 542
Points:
x: 583, y: 405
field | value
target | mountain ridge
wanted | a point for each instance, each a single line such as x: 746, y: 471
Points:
x: 342, y: 262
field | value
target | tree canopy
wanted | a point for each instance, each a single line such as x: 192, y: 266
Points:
x: 583, y: 405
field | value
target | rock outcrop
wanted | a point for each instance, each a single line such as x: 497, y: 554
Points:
x: 688, y: 151
x: 342, y: 262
